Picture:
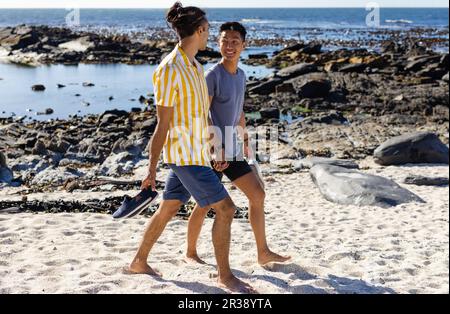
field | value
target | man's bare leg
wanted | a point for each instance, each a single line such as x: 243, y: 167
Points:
x: 221, y: 235
x: 251, y: 187
x: 194, y: 228
x: 166, y: 211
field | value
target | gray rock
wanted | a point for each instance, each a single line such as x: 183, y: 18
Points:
x: 47, y: 111
x: 333, y: 117
x: 55, y: 176
x: 420, y: 61
x: 446, y: 77
x: 58, y: 145
x: 429, y: 181
x: 352, y: 187
x: 309, y: 162
x: 39, y: 148
x: 357, y: 68
x: 38, y: 88
x: 148, y: 125
x: 295, y: 47
x: 418, y: 147
x: 118, y: 164
x: 258, y: 56
x: 315, y: 89
x: 266, y: 88
x: 297, y: 70
x: 6, y: 175
x: 285, y: 88
x: 312, y: 49
x: 270, y: 113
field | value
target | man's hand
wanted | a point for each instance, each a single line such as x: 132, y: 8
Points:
x: 220, y: 164
x: 150, y: 180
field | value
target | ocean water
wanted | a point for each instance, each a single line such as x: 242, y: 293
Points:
x: 126, y: 83
x: 262, y: 23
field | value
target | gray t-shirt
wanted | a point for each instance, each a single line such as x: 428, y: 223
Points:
x: 228, y: 92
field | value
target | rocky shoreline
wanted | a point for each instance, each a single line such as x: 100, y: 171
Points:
x: 34, y: 45
x: 342, y: 104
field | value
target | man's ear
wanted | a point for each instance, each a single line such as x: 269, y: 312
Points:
x: 201, y: 29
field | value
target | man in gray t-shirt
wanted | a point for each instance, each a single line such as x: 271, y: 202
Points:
x: 228, y: 92
x: 226, y: 84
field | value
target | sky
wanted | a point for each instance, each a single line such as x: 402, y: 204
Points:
x: 215, y: 3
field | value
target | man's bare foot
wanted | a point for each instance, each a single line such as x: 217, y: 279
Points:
x: 235, y: 285
x: 140, y: 269
x: 271, y: 257
x: 193, y: 258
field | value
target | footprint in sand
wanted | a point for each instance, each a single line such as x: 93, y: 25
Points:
x: 8, y: 235
x: 86, y: 283
x: 106, y: 258
x: 4, y: 263
x: 352, y: 255
x: 97, y: 289
x: 294, y: 270
x: 54, y: 263
x: 127, y: 249
x: 89, y: 233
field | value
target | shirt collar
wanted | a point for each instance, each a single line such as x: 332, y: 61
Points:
x: 185, y: 59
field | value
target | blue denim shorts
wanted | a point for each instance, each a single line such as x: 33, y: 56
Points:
x: 197, y: 181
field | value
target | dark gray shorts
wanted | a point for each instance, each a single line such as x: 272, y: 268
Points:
x: 197, y: 181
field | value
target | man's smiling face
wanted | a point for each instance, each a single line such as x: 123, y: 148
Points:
x: 231, y: 45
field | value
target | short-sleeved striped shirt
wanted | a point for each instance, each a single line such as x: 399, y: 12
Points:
x: 180, y: 84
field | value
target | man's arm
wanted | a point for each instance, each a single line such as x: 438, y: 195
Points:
x: 157, y: 143
x: 244, y: 135
x: 215, y: 141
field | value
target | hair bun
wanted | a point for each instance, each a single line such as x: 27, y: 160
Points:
x: 185, y: 20
x: 174, y: 12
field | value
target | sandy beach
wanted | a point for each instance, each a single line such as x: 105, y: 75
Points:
x: 335, y: 248
x: 325, y: 94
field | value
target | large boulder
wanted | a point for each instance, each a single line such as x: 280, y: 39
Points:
x: 6, y: 175
x: 418, y: 147
x: 351, y: 187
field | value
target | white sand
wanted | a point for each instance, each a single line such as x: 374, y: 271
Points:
x: 335, y: 248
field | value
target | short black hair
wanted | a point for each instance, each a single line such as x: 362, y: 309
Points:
x: 234, y: 26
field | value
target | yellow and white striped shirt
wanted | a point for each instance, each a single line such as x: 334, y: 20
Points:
x: 180, y: 84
